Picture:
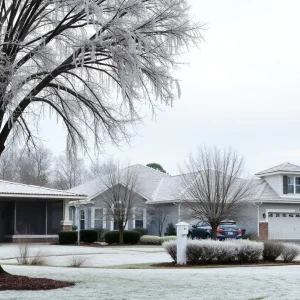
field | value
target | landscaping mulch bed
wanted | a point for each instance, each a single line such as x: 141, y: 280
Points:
x: 217, y: 264
x: 15, y: 282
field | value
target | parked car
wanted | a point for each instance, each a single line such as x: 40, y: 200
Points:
x: 226, y: 230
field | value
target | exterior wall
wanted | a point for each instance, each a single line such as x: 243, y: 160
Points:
x: 32, y: 239
x: 263, y: 230
x: 269, y: 206
x: 276, y: 182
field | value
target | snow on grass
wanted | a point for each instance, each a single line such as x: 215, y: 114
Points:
x: 167, y: 284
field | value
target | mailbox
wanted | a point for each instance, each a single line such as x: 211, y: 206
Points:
x: 182, y: 228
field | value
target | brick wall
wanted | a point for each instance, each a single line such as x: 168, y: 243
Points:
x: 263, y: 230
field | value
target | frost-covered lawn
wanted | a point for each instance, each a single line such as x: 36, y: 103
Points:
x: 57, y: 255
x: 228, y: 283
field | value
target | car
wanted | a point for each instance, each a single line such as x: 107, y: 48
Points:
x: 226, y: 230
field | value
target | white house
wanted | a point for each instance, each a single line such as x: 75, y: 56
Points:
x: 278, y: 204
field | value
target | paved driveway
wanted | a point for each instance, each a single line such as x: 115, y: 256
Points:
x: 57, y: 255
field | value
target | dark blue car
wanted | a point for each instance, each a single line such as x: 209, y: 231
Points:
x: 226, y: 230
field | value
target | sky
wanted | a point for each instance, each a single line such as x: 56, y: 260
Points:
x: 240, y: 88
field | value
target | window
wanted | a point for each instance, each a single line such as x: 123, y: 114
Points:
x: 139, y: 218
x: 293, y: 185
x: 82, y: 219
x: 98, y: 218
x: 277, y: 215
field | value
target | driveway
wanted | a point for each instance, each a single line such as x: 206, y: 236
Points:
x: 58, y: 255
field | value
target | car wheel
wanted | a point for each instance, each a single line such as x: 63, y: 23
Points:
x: 190, y: 236
x: 207, y: 236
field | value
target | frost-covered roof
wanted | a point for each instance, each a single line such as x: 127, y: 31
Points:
x: 285, y: 167
x: 149, y: 181
x: 8, y: 188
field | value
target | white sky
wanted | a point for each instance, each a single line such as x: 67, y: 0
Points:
x: 241, y: 88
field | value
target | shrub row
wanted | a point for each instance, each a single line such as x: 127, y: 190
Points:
x: 70, y: 237
x: 155, y: 240
x: 204, y: 251
x: 129, y: 237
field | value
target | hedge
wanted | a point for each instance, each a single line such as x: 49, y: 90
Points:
x: 67, y: 237
x: 88, y: 235
x: 155, y: 240
x: 129, y: 237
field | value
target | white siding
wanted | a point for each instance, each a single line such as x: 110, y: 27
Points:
x: 276, y: 182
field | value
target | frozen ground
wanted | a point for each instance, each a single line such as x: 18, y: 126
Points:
x: 166, y: 284
x: 57, y: 255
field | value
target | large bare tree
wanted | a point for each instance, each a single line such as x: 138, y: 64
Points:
x: 213, y: 187
x: 70, y: 57
x: 158, y: 218
x: 120, y: 198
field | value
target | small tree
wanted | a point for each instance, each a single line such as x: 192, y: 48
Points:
x: 212, y: 187
x: 159, y: 218
x: 120, y: 196
x: 156, y: 167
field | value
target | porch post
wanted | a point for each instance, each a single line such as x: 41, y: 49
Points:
x: 66, y: 224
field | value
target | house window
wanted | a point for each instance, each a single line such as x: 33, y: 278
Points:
x: 82, y: 219
x: 293, y: 185
x: 98, y: 218
x: 139, y: 218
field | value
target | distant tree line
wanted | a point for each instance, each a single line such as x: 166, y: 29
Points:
x: 41, y: 167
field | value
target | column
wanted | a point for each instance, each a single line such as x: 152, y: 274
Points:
x: 104, y: 218
x: 133, y: 218
x: 66, y: 224
x: 145, y: 218
x: 92, y: 217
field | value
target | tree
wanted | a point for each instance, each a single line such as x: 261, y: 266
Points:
x: 70, y: 58
x: 121, y: 195
x: 159, y: 218
x: 35, y: 167
x: 213, y: 188
x: 156, y: 167
x: 8, y: 161
x: 70, y: 171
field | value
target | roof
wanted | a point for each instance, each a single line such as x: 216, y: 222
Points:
x: 11, y: 189
x: 149, y: 182
x: 283, y: 168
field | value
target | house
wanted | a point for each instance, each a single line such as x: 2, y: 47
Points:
x: 278, y: 204
x: 33, y: 213
x: 156, y: 206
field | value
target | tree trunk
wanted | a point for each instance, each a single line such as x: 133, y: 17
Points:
x: 2, y: 271
x: 214, y: 231
x: 121, y: 236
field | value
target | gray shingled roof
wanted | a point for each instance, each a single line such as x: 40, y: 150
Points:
x: 11, y: 189
x: 149, y: 179
x: 285, y: 167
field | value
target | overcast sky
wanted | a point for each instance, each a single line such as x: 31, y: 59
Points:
x: 240, y: 88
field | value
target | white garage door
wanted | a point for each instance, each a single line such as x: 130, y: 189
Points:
x: 284, y: 226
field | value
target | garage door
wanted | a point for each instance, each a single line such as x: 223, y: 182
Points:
x: 284, y: 226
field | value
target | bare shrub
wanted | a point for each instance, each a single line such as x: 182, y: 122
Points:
x: 23, y: 254
x: 249, y: 251
x: 193, y: 252
x: 272, y: 250
x: 290, y: 252
x: 38, y: 259
x: 171, y: 248
x: 76, y: 261
x: 228, y: 252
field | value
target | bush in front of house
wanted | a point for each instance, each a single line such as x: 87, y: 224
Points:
x: 155, y: 240
x: 170, y: 230
x: 88, y: 235
x: 227, y: 252
x: 249, y: 251
x: 171, y: 248
x: 290, y: 252
x: 100, y: 233
x: 129, y: 237
x: 67, y: 237
x: 142, y: 231
x: 272, y: 250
